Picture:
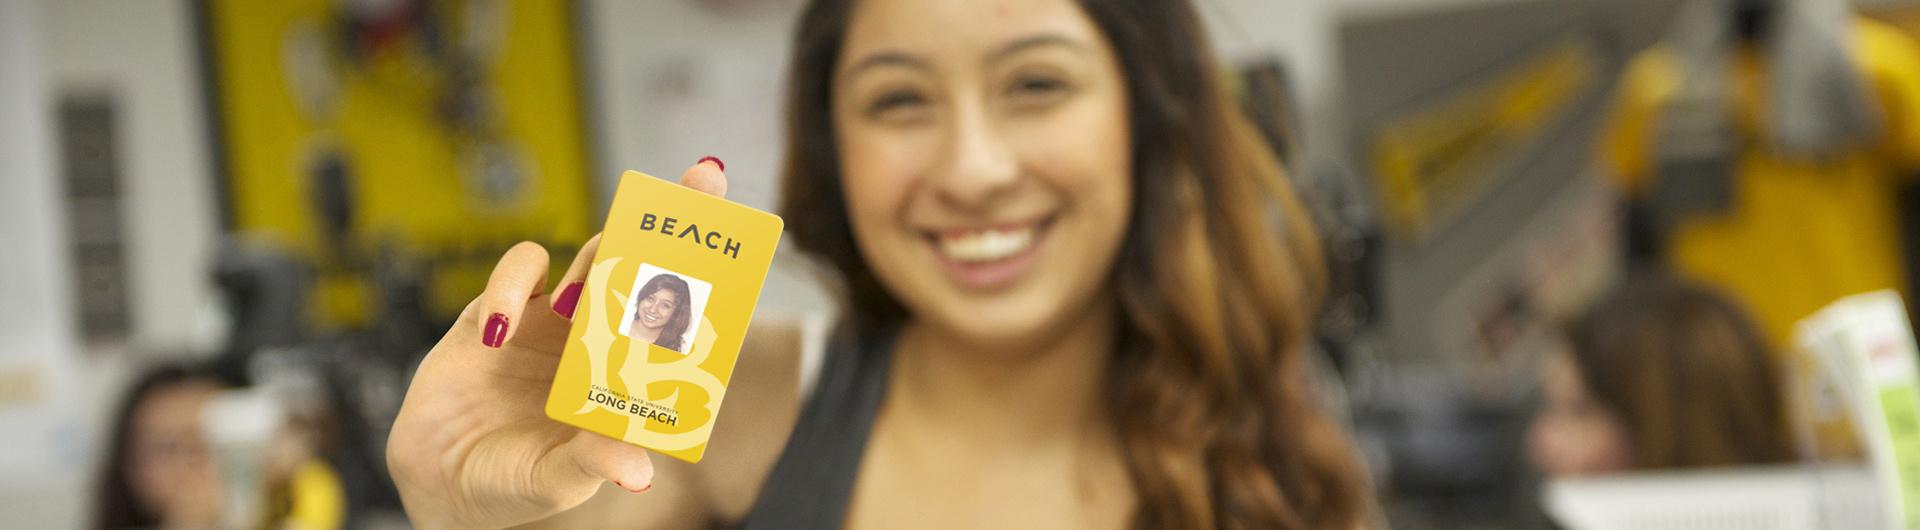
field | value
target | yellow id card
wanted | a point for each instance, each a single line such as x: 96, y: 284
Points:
x: 665, y: 306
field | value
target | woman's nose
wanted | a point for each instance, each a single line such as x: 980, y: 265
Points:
x: 980, y: 166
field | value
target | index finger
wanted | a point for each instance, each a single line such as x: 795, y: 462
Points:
x: 520, y: 276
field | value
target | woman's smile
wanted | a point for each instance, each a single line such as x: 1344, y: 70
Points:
x: 991, y: 256
x: 656, y: 309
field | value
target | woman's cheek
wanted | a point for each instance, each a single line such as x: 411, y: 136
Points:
x: 880, y: 175
x: 1086, y: 158
x: 149, y: 485
x: 1084, y: 148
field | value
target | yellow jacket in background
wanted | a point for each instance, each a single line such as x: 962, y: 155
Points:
x: 1801, y: 234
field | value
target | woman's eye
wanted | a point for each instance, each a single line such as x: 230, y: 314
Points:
x: 895, y: 103
x: 1037, y: 90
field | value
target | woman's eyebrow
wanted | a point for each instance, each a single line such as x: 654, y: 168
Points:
x: 884, y: 58
x: 900, y: 58
x: 1033, y: 41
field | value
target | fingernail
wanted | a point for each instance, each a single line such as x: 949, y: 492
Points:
x: 624, y: 486
x: 496, y: 331
x: 716, y: 162
x: 643, y: 489
x: 568, y: 299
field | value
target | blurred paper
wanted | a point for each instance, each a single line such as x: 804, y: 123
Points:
x: 1866, y: 351
x: 1782, y: 498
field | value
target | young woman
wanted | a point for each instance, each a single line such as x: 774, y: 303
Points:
x: 665, y: 309
x: 1077, y: 286
x: 1663, y: 374
x: 159, y: 473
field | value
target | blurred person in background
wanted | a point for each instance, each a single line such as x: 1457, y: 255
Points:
x: 159, y: 473
x: 162, y: 472
x: 1662, y: 374
x: 1077, y: 294
x: 1764, y: 145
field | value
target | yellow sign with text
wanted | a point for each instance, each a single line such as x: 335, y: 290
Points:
x: 661, y: 318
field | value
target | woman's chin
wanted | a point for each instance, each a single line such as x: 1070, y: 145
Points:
x: 1014, y: 328
x: 1034, y: 312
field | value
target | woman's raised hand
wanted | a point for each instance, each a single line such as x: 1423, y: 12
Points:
x: 472, y: 447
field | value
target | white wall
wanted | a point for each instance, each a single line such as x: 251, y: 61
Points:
x: 142, y: 55
x: 1301, y: 33
x: 43, y: 444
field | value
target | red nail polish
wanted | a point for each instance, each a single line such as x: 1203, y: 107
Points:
x: 496, y: 333
x: 568, y: 300
x: 716, y: 162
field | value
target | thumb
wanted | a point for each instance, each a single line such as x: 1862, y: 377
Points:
x: 599, y: 457
x: 709, y: 175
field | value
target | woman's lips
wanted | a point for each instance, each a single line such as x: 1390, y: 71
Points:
x: 988, y: 258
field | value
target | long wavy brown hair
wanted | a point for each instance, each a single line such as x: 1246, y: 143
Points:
x: 1209, y: 395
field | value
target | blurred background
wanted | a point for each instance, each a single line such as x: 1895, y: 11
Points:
x: 288, y: 202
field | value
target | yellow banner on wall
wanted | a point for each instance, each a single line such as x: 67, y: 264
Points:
x: 1432, y: 161
x: 440, y: 132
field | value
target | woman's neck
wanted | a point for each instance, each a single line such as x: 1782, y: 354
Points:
x: 645, y: 334
x: 1046, y: 391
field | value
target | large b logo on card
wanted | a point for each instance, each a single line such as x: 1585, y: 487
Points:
x: 677, y: 381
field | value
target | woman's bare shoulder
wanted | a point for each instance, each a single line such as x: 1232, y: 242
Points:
x: 762, y: 402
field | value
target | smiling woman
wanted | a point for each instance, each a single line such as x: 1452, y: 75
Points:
x: 1062, y: 191
x: 662, y: 310
x: 1077, y: 289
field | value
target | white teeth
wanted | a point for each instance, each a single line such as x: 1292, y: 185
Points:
x: 986, y: 245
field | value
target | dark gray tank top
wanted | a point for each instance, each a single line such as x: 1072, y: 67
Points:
x: 812, y: 483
